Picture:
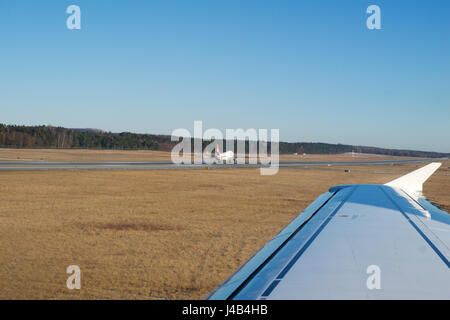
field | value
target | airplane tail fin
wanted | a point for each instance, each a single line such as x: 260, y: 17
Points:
x: 412, y: 182
x: 217, y: 148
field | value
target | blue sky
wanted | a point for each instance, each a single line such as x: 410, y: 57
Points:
x: 310, y: 68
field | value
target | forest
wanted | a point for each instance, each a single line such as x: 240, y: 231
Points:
x: 16, y: 136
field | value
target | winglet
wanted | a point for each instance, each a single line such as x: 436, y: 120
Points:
x: 412, y: 183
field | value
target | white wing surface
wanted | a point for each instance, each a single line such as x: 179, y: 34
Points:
x: 355, y: 242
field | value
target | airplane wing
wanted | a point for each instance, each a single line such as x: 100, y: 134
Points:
x: 354, y: 242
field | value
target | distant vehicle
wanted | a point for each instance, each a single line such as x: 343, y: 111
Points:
x: 224, y: 157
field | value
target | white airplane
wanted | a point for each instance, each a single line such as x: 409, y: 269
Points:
x: 224, y: 157
x: 355, y: 242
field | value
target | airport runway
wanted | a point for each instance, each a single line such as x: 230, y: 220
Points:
x: 43, y: 165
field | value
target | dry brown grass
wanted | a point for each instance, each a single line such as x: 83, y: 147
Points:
x: 154, y: 234
x: 82, y: 155
x: 338, y: 157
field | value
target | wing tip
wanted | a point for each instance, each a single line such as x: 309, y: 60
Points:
x: 412, y: 182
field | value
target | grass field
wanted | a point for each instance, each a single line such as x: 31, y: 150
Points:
x: 82, y: 155
x: 172, y: 234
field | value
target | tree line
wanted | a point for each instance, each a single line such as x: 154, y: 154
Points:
x: 15, y: 136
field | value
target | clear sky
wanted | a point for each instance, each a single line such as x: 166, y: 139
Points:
x: 309, y: 68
